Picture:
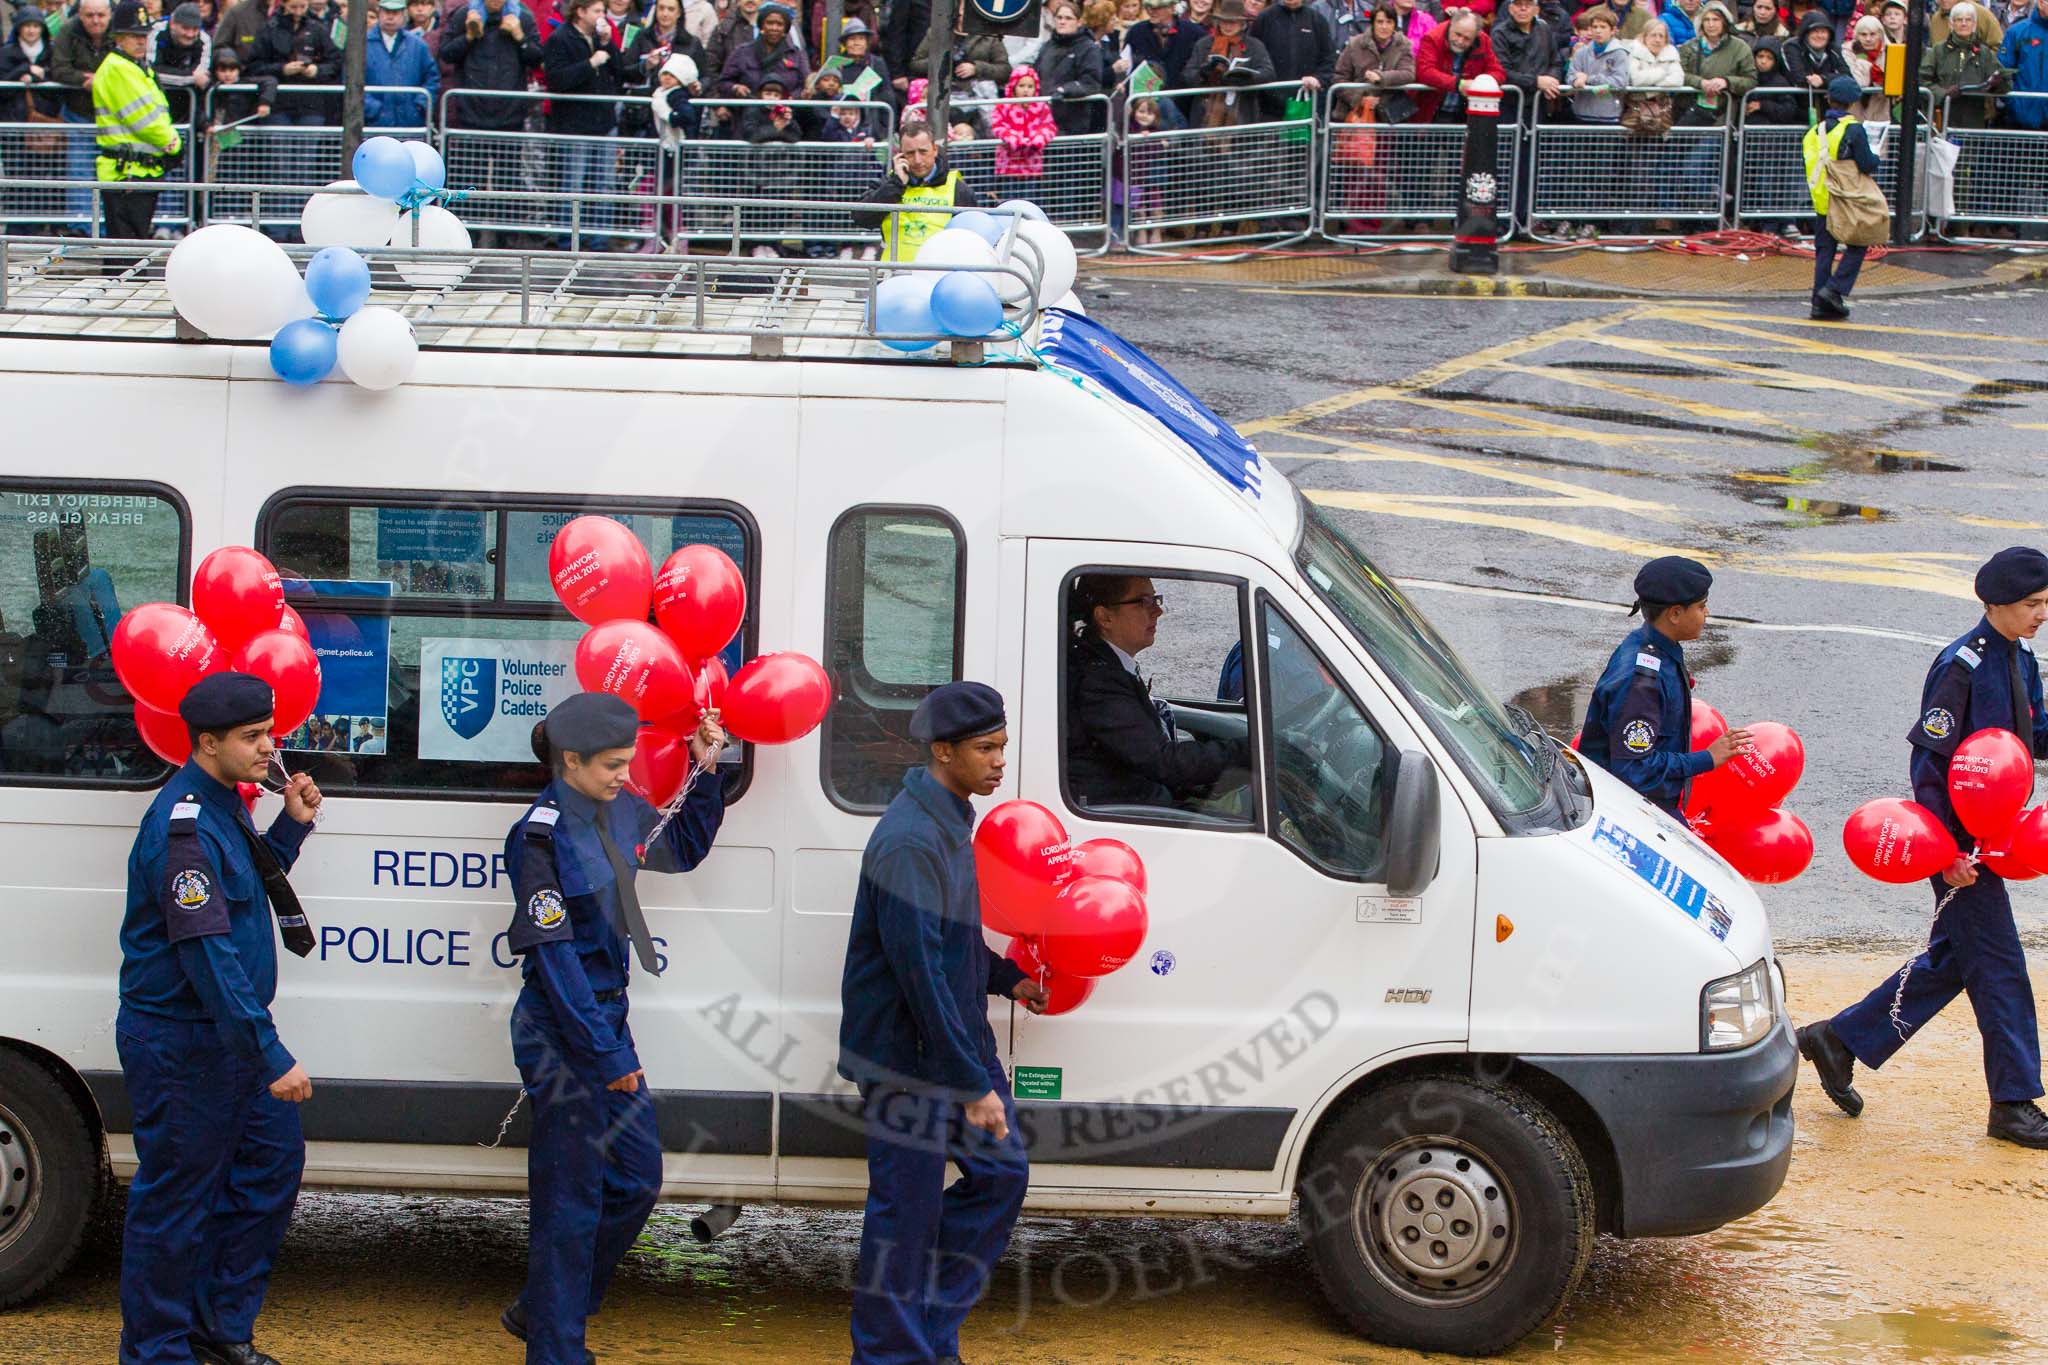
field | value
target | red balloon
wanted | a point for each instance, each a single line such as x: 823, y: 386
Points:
x: 1098, y: 924
x: 238, y: 594
x: 776, y: 698
x: 291, y: 668
x: 165, y: 734
x: 248, y: 791
x: 294, y: 623
x: 660, y: 763
x: 1898, y: 841
x: 1755, y: 780
x: 1708, y: 724
x: 2029, y: 840
x: 633, y: 660
x: 1067, y: 992
x: 2008, y: 867
x: 1110, y: 858
x: 1989, y: 777
x: 601, y: 571
x: 1020, y: 858
x: 995, y: 920
x: 712, y: 680
x: 700, y: 598
x: 160, y: 649
x: 1768, y: 849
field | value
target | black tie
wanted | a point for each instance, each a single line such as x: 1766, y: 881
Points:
x: 633, y: 920
x: 284, y: 902
x: 2022, y: 711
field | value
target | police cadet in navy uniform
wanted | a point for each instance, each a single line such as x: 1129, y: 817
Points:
x: 215, y: 1094
x: 1639, y: 723
x: 593, y: 1162
x: 1988, y: 678
x: 914, y: 1036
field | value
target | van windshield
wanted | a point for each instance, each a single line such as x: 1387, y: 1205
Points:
x: 1461, y: 712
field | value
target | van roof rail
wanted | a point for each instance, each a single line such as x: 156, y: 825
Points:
x: 499, y: 300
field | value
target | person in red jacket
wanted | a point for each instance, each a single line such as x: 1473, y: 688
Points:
x: 1449, y: 58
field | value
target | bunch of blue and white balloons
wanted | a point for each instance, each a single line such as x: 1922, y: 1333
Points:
x: 389, y: 203
x: 967, y: 300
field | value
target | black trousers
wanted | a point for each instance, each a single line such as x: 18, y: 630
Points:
x: 128, y: 214
x: 1826, y: 270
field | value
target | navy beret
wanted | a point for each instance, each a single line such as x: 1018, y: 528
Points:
x: 958, y: 710
x: 1844, y: 91
x: 591, y: 722
x: 222, y: 701
x: 1672, y: 581
x: 2012, y: 574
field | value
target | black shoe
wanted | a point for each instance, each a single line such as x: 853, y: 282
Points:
x: 2020, y: 1122
x: 1835, y: 1064
x: 1826, y: 297
x: 235, y: 1353
x: 1818, y: 312
x: 513, y: 1320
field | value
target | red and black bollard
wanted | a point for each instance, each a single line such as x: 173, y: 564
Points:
x: 1475, y: 242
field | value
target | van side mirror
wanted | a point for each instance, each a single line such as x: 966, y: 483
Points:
x: 1414, y: 826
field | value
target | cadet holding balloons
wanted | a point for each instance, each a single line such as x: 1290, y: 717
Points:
x: 1986, y: 680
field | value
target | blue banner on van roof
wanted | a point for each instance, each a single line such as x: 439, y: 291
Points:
x: 1088, y: 348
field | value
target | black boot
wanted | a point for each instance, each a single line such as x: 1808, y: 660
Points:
x: 2020, y: 1122
x: 1835, y: 305
x: 1818, y: 311
x: 1835, y: 1064
x: 513, y: 1320
x: 235, y: 1353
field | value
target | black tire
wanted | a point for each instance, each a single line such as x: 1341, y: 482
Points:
x: 1446, y: 1214
x: 50, y: 1178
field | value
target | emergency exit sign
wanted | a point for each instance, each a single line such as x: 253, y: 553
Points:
x: 1036, y: 1083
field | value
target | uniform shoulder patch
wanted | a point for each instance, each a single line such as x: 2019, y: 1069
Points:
x: 185, y: 815
x: 544, y: 908
x: 191, y: 889
x: 540, y: 822
x: 1968, y: 656
x: 1645, y: 659
x: 1637, y: 737
x: 1938, y: 723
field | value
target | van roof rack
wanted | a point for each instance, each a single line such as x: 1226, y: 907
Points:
x: 586, y: 303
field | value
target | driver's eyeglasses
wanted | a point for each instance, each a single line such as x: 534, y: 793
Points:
x: 1153, y: 600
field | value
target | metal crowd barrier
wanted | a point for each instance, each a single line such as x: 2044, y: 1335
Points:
x: 2000, y: 175
x: 1073, y: 176
x: 806, y: 171
x: 298, y: 157
x: 569, y: 185
x: 1588, y: 171
x: 66, y: 151
x: 1253, y: 181
x: 1376, y: 174
x: 1770, y: 178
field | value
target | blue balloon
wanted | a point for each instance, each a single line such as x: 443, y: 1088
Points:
x: 428, y: 170
x: 903, y: 304
x: 303, y: 352
x: 965, y: 304
x: 338, y: 282
x: 383, y: 167
x: 985, y: 226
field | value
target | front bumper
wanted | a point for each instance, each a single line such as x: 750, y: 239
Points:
x: 1699, y: 1139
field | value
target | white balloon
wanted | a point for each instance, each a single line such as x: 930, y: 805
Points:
x: 958, y: 248
x: 235, y: 284
x: 1023, y: 208
x: 1060, y: 265
x: 440, y: 230
x: 347, y: 219
x: 1071, y: 302
x: 378, y: 348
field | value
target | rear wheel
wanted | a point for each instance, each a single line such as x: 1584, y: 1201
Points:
x: 50, y: 1178
x: 1447, y: 1214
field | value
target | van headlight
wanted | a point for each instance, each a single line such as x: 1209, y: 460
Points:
x: 1737, y: 1010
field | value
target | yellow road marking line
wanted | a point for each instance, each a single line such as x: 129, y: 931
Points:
x: 1997, y: 525
x: 1370, y: 452
x: 1687, y: 405
x: 1823, y: 348
x: 1911, y: 398
x: 1863, y: 327
x: 1556, y: 430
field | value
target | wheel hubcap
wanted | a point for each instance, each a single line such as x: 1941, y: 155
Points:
x: 17, y: 1176
x: 1435, y: 1222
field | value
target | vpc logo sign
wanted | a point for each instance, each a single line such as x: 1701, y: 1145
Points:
x: 469, y: 694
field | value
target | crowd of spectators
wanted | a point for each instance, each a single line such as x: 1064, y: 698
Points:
x: 681, y: 72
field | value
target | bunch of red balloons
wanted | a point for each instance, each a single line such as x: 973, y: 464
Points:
x: 238, y: 621
x: 1735, y: 807
x: 1989, y: 777
x: 654, y: 640
x: 1075, y: 912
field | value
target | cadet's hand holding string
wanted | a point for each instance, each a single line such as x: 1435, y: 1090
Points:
x: 1731, y: 743
x: 301, y: 802
x: 707, y: 741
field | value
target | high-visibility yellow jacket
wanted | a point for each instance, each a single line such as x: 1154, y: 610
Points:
x: 133, y: 118
x: 904, y: 233
x: 1816, y: 167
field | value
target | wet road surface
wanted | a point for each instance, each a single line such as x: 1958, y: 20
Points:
x: 1905, y: 1235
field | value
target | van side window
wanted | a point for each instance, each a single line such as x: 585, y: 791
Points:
x: 440, y: 638
x: 1153, y: 704
x: 73, y: 557
x: 895, y: 585
x: 1331, y: 777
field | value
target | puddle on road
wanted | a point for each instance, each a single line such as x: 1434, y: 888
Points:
x: 1587, y: 412
x: 1921, y: 1334
x: 1814, y: 511
x: 1556, y: 706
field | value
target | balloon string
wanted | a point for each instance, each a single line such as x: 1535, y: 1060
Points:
x: 1899, y: 995
x: 418, y: 195
x: 674, y: 805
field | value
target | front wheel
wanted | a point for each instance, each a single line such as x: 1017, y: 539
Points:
x: 1447, y: 1214
x: 49, y: 1178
